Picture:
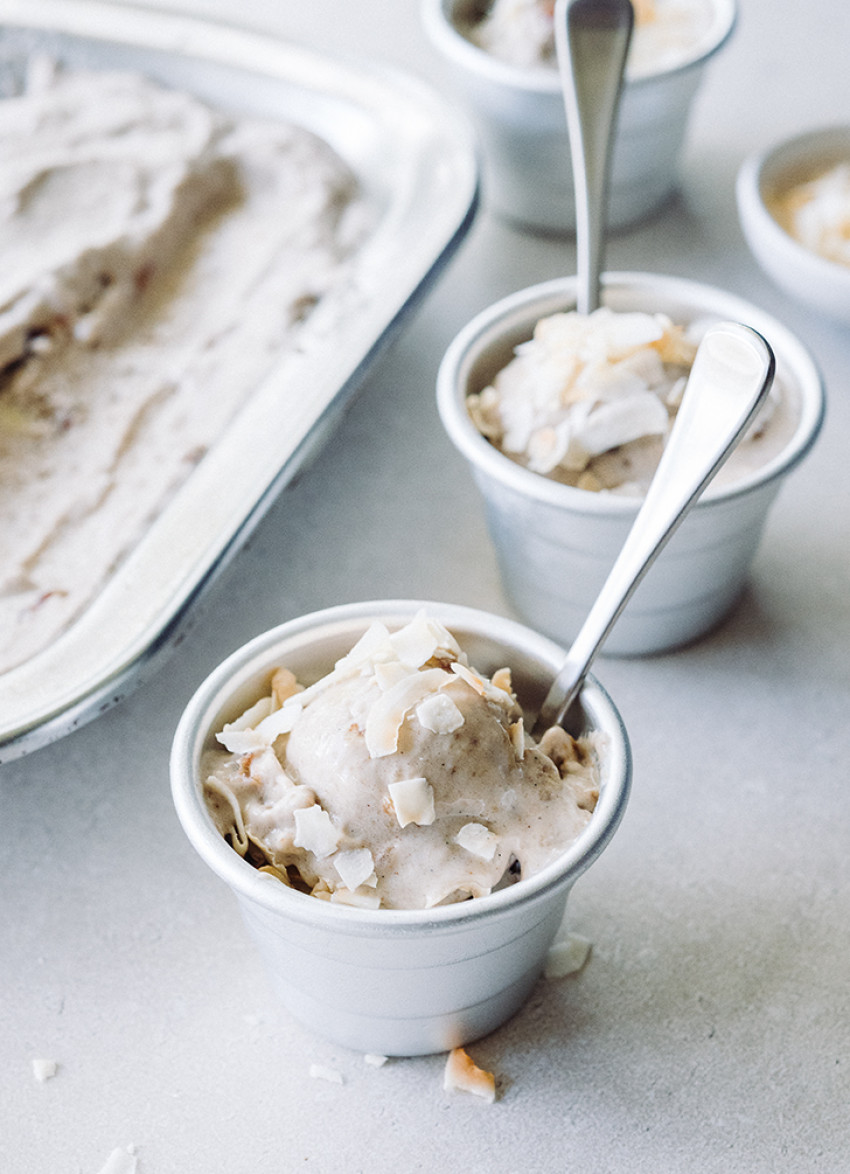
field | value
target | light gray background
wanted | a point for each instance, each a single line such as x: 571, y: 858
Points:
x: 710, y: 1030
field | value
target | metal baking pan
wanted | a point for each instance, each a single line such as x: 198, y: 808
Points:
x: 417, y: 167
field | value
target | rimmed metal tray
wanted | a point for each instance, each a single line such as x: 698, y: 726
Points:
x: 417, y: 167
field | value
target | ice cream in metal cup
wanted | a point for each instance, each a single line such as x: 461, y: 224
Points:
x: 518, y: 111
x: 556, y: 543
x: 398, y: 981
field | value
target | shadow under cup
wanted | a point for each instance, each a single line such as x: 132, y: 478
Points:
x: 397, y: 982
x: 555, y: 544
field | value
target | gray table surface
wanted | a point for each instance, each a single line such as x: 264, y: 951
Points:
x: 710, y: 1030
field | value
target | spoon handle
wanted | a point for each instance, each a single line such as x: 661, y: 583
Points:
x: 730, y: 378
x: 592, y: 40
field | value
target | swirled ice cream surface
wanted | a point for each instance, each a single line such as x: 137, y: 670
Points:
x: 666, y: 33
x: 589, y: 401
x: 401, y: 779
x: 158, y: 258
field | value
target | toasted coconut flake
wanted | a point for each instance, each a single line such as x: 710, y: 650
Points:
x: 501, y: 679
x: 372, y: 646
x: 43, y: 1069
x: 481, y: 685
x: 266, y: 769
x: 389, y: 711
x: 277, y: 873
x: 323, y: 1072
x: 439, y: 714
x: 517, y: 734
x: 314, y: 831
x: 463, y: 1075
x: 619, y: 421
x: 472, y: 678
x: 239, y: 736
x: 413, y: 801
x: 478, y: 840
x: 422, y: 639
x: 252, y: 716
x: 567, y: 955
x: 356, y: 867
x: 559, y: 746
x: 280, y: 721
x: 284, y: 685
x: 389, y: 674
x: 363, y: 898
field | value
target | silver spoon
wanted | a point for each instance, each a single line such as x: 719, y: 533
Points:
x: 730, y: 378
x: 592, y: 40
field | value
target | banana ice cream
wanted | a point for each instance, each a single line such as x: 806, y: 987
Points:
x: 817, y: 213
x: 589, y: 401
x: 403, y: 779
x: 158, y: 258
x: 666, y: 33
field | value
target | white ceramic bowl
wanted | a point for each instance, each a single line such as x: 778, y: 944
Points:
x: 556, y: 544
x: 392, y: 981
x: 520, y: 119
x: 796, y: 269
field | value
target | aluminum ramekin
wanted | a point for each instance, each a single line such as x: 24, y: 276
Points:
x: 392, y: 981
x: 556, y: 544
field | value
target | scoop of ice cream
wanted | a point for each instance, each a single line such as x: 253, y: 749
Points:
x: 521, y: 33
x: 403, y: 779
x: 590, y: 398
x: 817, y: 213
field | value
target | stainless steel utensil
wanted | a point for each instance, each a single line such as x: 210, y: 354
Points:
x: 730, y: 377
x: 592, y: 39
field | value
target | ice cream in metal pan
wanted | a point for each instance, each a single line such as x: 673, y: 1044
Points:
x: 381, y: 136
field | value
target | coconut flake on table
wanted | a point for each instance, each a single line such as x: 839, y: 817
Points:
x: 462, y: 1074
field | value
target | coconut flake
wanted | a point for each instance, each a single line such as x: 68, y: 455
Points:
x: 423, y: 638
x: 281, y: 720
x: 439, y: 714
x: 44, y: 1070
x: 363, y: 898
x: 239, y: 736
x: 314, y: 831
x: 372, y: 646
x: 567, y: 955
x: 478, y: 840
x: 356, y: 867
x: 388, y: 712
x: 322, y: 1072
x: 266, y: 769
x: 516, y: 731
x: 390, y: 673
x: 462, y: 1074
x: 481, y: 685
x: 620, y: 421
x: 413, y: 800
